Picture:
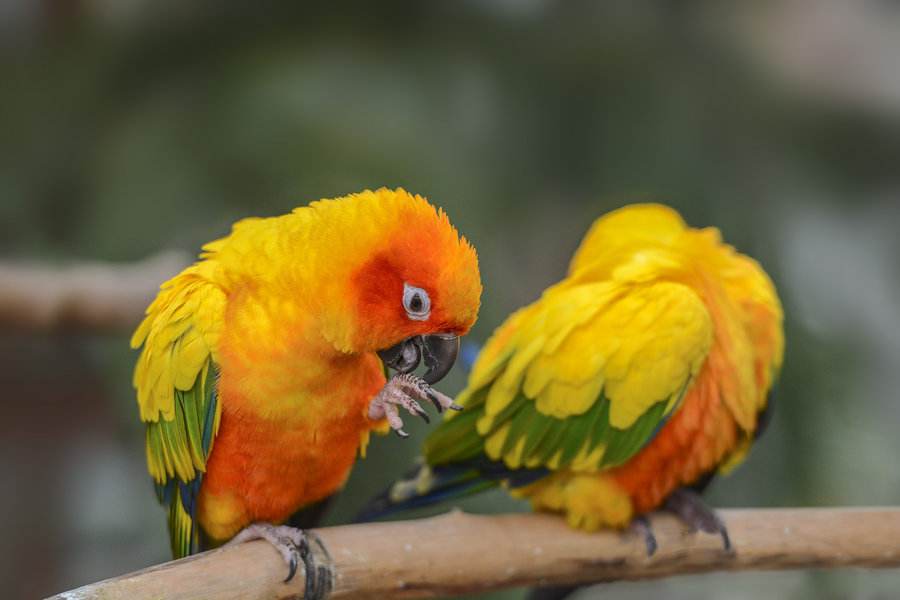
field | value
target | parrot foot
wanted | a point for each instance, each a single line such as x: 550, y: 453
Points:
x: 293, y: 545
x: 405, y: 390
x: 688, y: 506
x: 641, y: 526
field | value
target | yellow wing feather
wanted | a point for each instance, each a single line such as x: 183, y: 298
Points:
x: 630, y: 345
x: 179, y: 337
x: 613, y: 347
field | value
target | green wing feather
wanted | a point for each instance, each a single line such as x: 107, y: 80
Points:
x: 191, y: 433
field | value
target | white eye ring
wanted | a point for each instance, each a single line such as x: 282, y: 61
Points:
x: 416, y: 302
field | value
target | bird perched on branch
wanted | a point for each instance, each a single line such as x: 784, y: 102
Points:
x: 263, y: 368
x: 623, y: 389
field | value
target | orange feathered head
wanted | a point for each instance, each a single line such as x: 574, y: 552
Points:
x: 401, y: 270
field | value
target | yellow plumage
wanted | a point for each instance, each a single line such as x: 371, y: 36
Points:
x: 258, y: 362
x: 644, y: 369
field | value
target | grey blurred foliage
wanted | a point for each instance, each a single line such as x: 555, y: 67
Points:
x: 134, y: 126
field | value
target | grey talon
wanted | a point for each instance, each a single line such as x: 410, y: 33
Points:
x: 437, y: 405
x: 642, y: 526
x: 292, y: 569
x: 690, y: 508
x: 726, y: 541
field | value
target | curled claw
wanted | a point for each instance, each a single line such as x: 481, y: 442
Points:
x: 726, y: 541
x: 292, y: 569
x: 421, y: 412
x: 311, y: 587
x: 294, y: 548
x: 641, y: 525
x: 437, y: 405
x: 415, y: 408
x: 400, y: 433
x: 441, y: 401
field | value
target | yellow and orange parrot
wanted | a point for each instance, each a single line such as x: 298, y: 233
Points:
x: 263, y: 368
x: 623, y: 389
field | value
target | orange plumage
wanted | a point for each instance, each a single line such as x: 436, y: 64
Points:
x: 692, y: 443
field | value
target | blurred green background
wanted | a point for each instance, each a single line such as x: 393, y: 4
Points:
x: 130, y: 127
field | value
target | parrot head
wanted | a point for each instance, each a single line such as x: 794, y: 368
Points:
x: 415, y: 290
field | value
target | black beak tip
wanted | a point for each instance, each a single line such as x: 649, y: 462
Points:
x: 439, y: 353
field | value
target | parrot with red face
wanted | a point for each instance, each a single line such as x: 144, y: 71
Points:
x: 624, y: 389
x: 263, y: 366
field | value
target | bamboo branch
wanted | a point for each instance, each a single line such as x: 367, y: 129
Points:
x: 83, y: 295
x: 459, y: 553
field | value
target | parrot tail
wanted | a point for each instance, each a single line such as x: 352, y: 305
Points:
x: 426, y: 485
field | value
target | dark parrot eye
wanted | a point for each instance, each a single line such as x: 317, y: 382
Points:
x: 416, y: 302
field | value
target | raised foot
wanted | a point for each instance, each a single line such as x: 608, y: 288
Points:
x: 405, y: 390
x: 293, y: 545
x: 688, y: 506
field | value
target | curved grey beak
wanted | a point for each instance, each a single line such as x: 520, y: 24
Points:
x: 438, y: 350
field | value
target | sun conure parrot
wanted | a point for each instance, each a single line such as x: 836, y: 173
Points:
x: 263, y: 366
x: 623, y: 389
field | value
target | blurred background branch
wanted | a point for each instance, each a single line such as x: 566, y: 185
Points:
x: 463, y: 554
x: 83, y: 296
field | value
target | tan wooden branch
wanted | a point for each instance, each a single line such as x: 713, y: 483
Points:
x: 459, y: 553
x: 83, y: 295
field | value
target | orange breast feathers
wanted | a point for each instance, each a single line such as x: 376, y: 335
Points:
x: 293, y: 418
x: 265, y: 468
x: 694, y: 442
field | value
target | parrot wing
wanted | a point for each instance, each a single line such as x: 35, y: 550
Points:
x: 581, y: 379
x: 175, y: 378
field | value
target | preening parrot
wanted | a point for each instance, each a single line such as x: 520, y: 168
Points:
x: 623, y: 389
x: 263, y: 368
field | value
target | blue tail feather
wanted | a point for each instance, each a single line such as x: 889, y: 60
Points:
x: 428, y: 485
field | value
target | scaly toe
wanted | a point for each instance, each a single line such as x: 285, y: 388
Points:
x: 290, y: 542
